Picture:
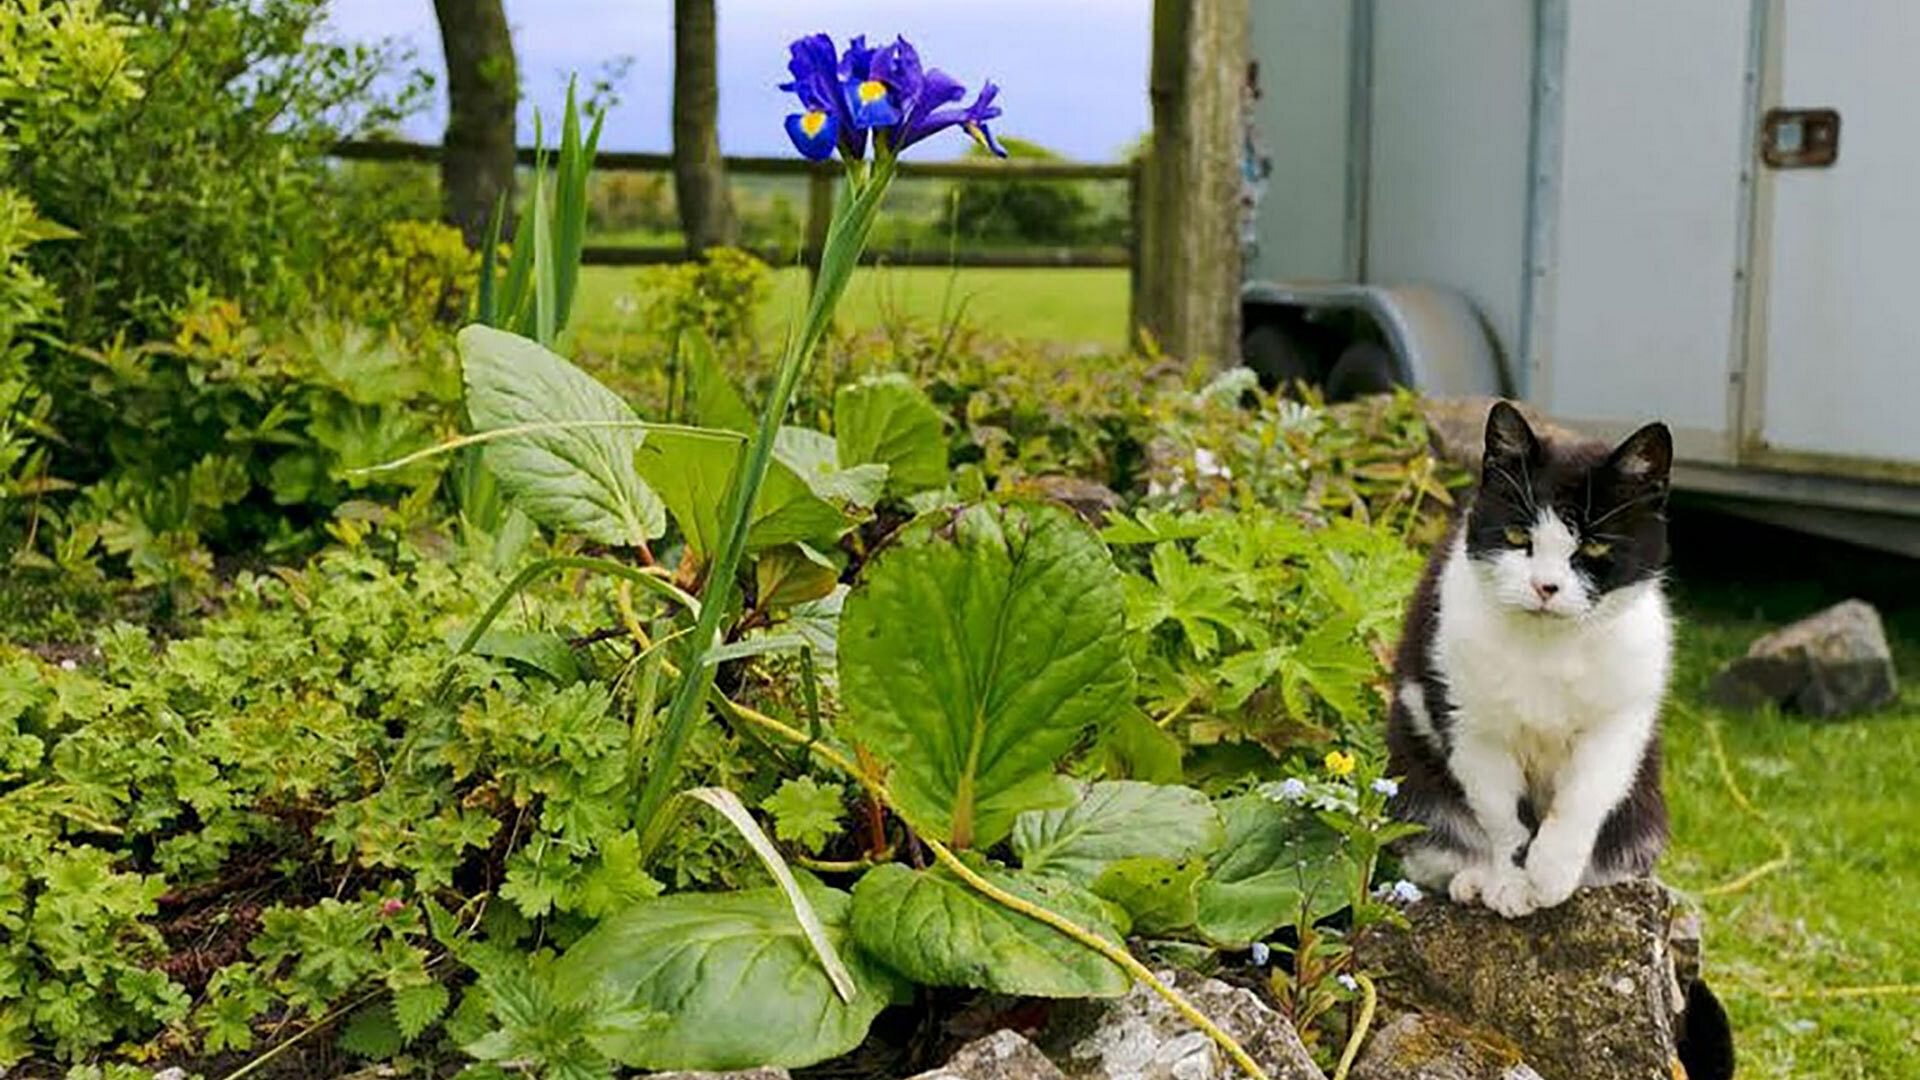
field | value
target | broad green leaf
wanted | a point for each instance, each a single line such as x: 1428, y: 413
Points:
x: 691, y: 473
x: 792, y: 574
x: 1274, y: 857
x: 711, y: 398
x: 1117, y: 819
x: 729, y: 806
x: 1139, y: 749
x: 933, y: 928
x: 578, y: 480
x: 735, y: 977
x: 979, y: 648
x: 545, y: 652
x: 887, y: 420
x: 812, y: 457
x: 1160, y: 894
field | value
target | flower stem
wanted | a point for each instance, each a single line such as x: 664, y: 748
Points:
x: 1108, y: 949
x: 1368, y: 999
x: 846, y: 238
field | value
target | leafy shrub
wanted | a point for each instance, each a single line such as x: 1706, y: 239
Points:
x: 719, y: 297
x: 1232, y: 445
x: 1034, y: 211
x: 185, y: 143
x: 632, y: 201
x: 233, y: 437
x: 418, y: 275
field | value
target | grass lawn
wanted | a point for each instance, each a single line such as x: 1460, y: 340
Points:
x: 1843, y: 913
x: 1066, y: 305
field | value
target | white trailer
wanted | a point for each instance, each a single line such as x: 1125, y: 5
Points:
x: 1702, y: 211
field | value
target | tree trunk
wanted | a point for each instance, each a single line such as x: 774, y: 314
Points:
x: 1189, y: 245
x: 476, y: 156
x: 699, y: 173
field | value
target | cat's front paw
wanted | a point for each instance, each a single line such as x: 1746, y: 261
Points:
x: 1509, y: 892
x: 1554, y: 874
x: 1504, y: 889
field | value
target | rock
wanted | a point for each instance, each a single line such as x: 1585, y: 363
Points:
x: 1583, y: 991
x: 765, y: 1072
x: 1003, y: 1055
x: 1457, y: 427
x: 1416, y: 1047
x: 1830, y: 664
x: 1084, y: 497
x: 1140, y: 1037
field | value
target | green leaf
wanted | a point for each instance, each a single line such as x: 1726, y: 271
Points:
x: 711, y: 398
x: 578, y: 479
x: 792, y: 574
x: 1274, y: 857
x: 691, y: 473
x: 1160, y: 894
x: 1142, y: 750
x: 887, y: 420
x: 934, y: 929
x: 806, y: 812
x: 1117, y: 819
x: 980, y: 647
x: 371, y: 1033
x: 813, y: 458
x: 417, y: 1007
x: 734, y: 975
x: 545, y: 652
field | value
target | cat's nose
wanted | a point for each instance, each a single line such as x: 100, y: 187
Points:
x: 1545, y: 589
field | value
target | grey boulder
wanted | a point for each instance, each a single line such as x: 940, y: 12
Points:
x: 1415, y: 1047
x: 1589, y: 990
x: 1835, y: 663
x: 1002, y: 1055
x: 1141, y: 1037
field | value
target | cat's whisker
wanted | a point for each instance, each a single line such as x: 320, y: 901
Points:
x: 1638, y: 500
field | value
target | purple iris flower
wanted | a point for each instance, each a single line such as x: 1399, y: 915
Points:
x: 886, y: 91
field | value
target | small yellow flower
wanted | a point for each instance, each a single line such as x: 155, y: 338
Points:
x: 1338, y: 763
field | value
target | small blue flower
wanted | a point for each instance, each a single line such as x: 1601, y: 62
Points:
x: 1293, y: 789
x: 1384, y: 786
x: 1406, y: 892
x: 1260, y: 954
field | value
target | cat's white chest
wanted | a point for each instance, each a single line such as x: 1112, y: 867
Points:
x: 1536, y: 684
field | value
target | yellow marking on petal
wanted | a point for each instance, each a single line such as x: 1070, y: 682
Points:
x: 973, y: 129
x: 871, y: 91
x: 812, y: 122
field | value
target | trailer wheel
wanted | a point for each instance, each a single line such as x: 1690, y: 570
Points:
x: 1365, y: 367
x: 1281, y: 356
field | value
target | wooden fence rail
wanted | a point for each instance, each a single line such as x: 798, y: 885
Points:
x: 821, y: 178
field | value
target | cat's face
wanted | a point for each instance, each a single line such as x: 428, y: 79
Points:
x: 1555, y: 529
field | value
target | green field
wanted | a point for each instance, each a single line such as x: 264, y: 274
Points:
x: 1081, y: 306
x: 1841, y: 914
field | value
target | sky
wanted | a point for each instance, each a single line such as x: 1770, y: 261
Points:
x: 1072, y: 73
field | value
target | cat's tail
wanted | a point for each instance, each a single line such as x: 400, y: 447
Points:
x: 1705, y: 1039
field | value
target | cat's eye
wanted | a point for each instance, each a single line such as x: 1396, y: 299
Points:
x: 1518, y: 536
x: 1594, y: 549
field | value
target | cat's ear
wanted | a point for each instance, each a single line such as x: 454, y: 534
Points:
x: 1509, y: 436
x: 1645, y: 457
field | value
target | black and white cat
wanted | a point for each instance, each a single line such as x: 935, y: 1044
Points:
x: 1530, y: 675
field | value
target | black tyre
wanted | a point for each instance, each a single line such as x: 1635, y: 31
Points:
x: 1366, y: 367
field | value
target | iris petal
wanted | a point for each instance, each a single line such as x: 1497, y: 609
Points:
x: 871, y: 104
x: 814, y: 133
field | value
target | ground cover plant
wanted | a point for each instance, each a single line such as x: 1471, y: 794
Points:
x: 453, y: 789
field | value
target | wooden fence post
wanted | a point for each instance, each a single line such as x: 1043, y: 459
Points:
x: 1189, y: 295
